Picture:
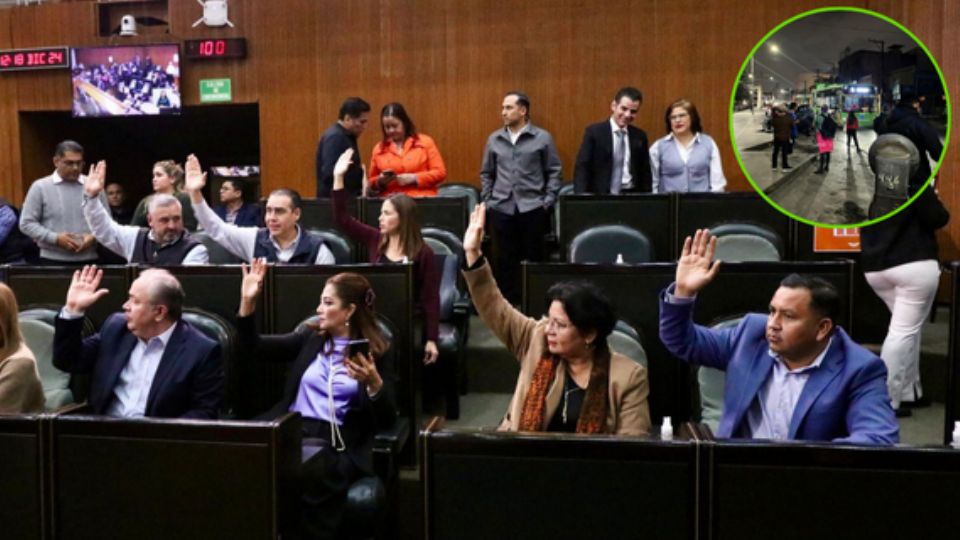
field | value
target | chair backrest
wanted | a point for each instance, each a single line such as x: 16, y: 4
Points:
x: 566, y: 189
x: 452, y: 244
x: 218, y: 329
x: 337, y: 244
x: 449, y: 291
x: 741, y: 242
x: 711, y: 382
x: 461, y: 190
x: 38, y: 336
x: 604, y: 243
x: 217, y: 253
x: 625, y: 339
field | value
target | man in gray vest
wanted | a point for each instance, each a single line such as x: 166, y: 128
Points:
x: 166, y: 242
x: 51, y: 213
x: 520, y: 177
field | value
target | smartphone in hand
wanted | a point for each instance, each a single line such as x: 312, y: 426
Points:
x: 358, y: 346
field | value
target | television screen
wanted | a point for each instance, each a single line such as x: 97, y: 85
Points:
x: 126, y: 80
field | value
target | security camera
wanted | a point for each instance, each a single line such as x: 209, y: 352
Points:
x: 128, y: 25
x: 214, y: 13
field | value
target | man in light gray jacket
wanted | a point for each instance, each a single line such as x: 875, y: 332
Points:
x: 52, y: 214
x: 520, y: 178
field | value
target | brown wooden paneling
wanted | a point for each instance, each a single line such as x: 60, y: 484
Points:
x: 450, y: 63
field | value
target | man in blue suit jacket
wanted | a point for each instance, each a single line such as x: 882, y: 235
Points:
x: 791, y: 375
x: 146, y: 361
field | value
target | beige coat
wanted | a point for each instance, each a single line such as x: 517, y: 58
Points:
x: 628, y: 412
x: 20, y: 387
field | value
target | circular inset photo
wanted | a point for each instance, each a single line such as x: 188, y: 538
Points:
x: 840, y: 117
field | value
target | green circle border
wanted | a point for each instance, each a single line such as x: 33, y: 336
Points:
x: 936, y: 66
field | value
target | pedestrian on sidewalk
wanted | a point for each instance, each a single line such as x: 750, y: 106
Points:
x: 782, y: 126
x: 853, y: 124
x: 826, y: 130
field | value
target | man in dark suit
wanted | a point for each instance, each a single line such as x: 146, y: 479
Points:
x: 146, y: 361
x: 614, y: 156
x: 351, y: 123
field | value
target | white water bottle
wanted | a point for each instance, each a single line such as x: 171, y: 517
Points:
x: 956, y: 435
x: 666, y: 429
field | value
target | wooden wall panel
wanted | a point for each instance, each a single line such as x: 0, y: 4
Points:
x: 450, y: 63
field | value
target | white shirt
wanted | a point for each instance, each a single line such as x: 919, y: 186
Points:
x: 717, y: 181
x: 770, y: 415
x: 626, y: 179
x: 136, y: 379
x: 242, y: 241
x: 515, y: 136
x: 122, y: 239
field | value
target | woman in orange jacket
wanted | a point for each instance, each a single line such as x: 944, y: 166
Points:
x: 405, y: 161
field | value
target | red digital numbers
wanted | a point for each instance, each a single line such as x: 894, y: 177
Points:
x: 213, y: 47
x: 28, y: 59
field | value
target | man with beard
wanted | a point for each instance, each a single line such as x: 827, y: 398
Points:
x: 165, y: 242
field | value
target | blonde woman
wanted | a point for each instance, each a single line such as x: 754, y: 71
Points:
x: 167, y: 179
x: 20, y: 387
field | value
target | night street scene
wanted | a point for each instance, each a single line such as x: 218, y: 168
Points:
x: 834, y: 73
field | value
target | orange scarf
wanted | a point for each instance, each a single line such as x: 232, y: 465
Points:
x: 593, y: 413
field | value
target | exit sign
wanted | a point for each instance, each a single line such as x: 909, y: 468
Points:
x: 215, y: 91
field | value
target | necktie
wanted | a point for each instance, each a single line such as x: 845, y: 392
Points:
x: 616, y: 177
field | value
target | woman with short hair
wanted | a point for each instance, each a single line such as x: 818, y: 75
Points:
x: 570, y: 380
x: 686, y: 159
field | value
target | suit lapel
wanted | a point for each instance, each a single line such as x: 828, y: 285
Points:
x: 168, y: 364
x: 818, y: 381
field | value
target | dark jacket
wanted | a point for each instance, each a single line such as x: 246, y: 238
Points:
x: 907, y: 122
x: 306, y: 252
x: 782, y: 127
x: 426, y: 273
x: 334, y: 141
x: 146, y: 251
x: 247, y: 216
x: 906, y: 237
x: 188, y: 383
x: 595, y: 160
x: 361, y: 422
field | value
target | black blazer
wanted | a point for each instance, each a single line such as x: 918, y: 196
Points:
x: 595, y: 160
x: 361, y: 423
x: 247, y: 216
x: 188, y: 382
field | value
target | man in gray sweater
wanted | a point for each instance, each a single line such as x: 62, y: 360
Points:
x: 52, y: 214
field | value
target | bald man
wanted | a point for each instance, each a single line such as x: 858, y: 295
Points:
x: 146, y: 361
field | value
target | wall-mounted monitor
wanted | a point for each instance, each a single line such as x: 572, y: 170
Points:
x: 129, y: 80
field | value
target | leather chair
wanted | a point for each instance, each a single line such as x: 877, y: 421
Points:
x: 741, y: 242
x: 461, y: 190
x: 604, y: 243
x: 626, y: 340
x: 37, y: 324
x: 218, y: 329
x: 338, y: 244
x: 217, y: 253
x: 711, y: 383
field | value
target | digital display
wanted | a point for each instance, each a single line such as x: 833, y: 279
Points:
x: 30, y: 59
x: 204, y: 49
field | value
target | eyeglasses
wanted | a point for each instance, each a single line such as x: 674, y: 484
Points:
x: 71, y: 163
x: 557, y: 325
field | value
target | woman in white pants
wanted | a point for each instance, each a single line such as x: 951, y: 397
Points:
x: 899, y: 258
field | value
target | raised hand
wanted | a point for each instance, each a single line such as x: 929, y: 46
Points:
x: 96, y: 179
x: 430, y: 352
x: 364, y: 370
x: 473, y: 237
x: 251, y: 285
x: 343, y: 163
x: 83, y: 291
x: 696, y: 267
x: 196, y: 179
